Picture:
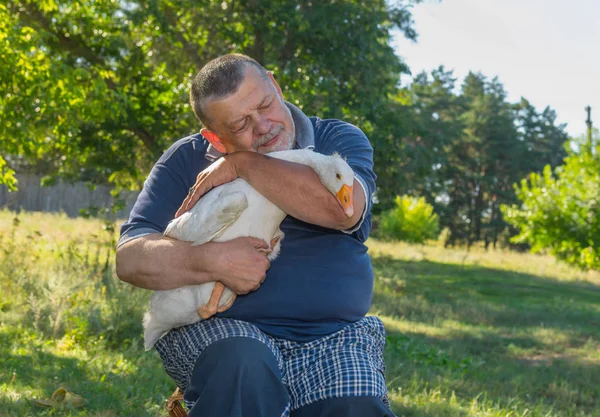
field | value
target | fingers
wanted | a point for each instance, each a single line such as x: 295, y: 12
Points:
x: 258, y: 243
x: 196, y: 191
x: 182, y: 209
x: 266, y: 252
x: 257, y: 286
x: 249, y: 287
x: 185, y: 206
x: 199, y: 191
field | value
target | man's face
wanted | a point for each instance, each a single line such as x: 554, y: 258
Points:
x: 254, y: 118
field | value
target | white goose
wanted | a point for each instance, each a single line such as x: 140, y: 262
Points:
x: 229, y: 211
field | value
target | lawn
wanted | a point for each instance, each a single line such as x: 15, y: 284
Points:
x: 469, y: 333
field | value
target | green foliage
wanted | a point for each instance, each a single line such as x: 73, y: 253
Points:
x: 560, y: 210
x: 96, y: 90
x: 465, y: 148
x: 412, y: 220
x: 7, y: 175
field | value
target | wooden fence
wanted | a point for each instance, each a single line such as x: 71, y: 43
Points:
x: 62, y: 197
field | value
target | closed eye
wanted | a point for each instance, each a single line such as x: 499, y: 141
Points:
x: 244, y: 126
x: 265, y: 107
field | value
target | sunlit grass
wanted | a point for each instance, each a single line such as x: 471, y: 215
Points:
x: 66, y: 320
x: 541, y: 265
x: 469, y: 333
x: 487, y: 333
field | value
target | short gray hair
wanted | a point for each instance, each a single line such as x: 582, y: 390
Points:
x: 218, y: 79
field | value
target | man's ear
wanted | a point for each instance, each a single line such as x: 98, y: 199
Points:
x: 213, y: 139
x: 275, y: 83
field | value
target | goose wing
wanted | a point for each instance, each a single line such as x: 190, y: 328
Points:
x: 209, y: 218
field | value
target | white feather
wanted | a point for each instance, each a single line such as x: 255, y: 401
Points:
x: 227, y: 212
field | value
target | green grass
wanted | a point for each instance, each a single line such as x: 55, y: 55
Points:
x: 487, y: 334
x: 469, y: 333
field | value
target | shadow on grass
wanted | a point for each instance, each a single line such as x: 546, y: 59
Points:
x: 429, y: 291
x: 133, y: 383
x: 508, y: 334
x: 469, y: 366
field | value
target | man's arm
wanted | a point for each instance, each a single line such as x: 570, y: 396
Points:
x: 298, y: 190
x: 147, y: 259
x: 295, y: 188
x: 156, y: 262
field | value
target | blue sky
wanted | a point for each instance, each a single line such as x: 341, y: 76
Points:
x: 547, y: 51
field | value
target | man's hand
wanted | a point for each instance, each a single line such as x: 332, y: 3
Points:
x: 220, y: 172
x: 212, y: 307
x: 242, y: 264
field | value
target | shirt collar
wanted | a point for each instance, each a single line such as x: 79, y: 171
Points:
x: 305, y: 135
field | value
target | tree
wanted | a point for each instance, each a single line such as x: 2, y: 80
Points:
x: 543, y: 140
x: 436, y: 133
x: 560, y: 209
x: 97, y: 89
x: 464, y: 149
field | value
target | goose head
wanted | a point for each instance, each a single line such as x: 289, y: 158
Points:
x: 333, y: 171
x: 338, y: 178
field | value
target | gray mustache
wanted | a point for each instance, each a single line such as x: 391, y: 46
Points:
x: 270, y: 135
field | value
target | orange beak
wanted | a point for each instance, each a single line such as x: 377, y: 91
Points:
x: 344, y: 196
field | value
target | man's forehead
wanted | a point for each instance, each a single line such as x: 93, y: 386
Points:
x: 252, y: 91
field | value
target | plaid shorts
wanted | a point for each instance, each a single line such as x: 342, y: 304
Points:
x: 344, y: 364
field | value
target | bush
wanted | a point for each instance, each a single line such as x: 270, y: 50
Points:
x: 560, y: 210
x: 412, y: 220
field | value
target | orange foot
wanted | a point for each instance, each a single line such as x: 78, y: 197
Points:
x: 229, y: 304
x: 210, y: 309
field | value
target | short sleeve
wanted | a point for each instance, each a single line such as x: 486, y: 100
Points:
x: 334, y: 136
x: 165, y: 189
x: 156, y: 205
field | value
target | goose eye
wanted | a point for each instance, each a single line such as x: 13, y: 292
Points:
x: 338, y: 176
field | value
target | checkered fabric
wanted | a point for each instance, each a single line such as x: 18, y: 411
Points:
x: 346, y: 363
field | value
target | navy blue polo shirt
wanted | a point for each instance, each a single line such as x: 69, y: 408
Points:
x: 322, y: 279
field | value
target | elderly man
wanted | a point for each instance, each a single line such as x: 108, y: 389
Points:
x: 297, y: 341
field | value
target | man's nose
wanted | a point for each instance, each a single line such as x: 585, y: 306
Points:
x: 262, y: 126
